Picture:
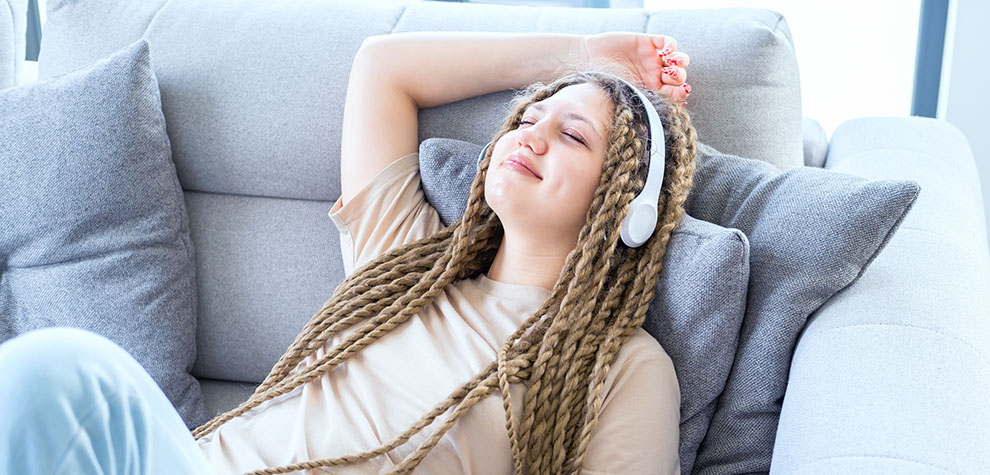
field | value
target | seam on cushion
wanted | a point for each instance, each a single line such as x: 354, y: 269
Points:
x: 700, y: 412
x: 185, y: 227
x: 947, y: 241
x: 94, y: 255
x: 398, y: 19
x: 780, y: 18
x: 154, y: 17
x: 708, y: 237
x: 242, y: 384
x: 269, y: 197
x: 901, y: 325
x: 954, y: 166
x: 743, y: 296
x: 776, y: 25
x: 912, y: 152
x: 777, y: 30
x: 923, y: 230
x: 939, y: 234
x: 881, y: 457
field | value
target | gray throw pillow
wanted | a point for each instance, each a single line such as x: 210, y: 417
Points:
x: 696, y: 311
x: 812, y: 232
x: 95, y: 233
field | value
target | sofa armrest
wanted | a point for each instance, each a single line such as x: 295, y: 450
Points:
x: 891, y: 375
x: 815, y: 143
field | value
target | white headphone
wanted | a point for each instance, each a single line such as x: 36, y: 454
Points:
x: 641, y: 219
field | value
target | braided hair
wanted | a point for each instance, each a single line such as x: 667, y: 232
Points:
x: 563, y: 352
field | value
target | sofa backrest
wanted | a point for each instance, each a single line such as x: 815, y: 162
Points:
x: 13, y: 22
x: 253, y: 94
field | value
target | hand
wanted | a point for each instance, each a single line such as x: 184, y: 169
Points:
x: 651, y: 60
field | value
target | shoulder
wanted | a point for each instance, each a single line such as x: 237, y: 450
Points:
x: 643, y: 362
x: 639, y: 420
x: 641, y: 346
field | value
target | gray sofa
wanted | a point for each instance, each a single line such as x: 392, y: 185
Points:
x: 13, y: 28
x: 889, y: 376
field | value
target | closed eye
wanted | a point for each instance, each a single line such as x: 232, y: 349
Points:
x: 577, y: 138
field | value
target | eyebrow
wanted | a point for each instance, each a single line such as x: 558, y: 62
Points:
x: 571, y: 115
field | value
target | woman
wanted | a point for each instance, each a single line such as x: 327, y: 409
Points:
x: 538, y: 239
x: 511, y: 340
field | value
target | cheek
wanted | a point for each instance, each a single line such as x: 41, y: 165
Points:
x: 582, y: 181
x: 578, y: 189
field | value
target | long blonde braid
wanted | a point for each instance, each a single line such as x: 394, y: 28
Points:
x: 563, y: 352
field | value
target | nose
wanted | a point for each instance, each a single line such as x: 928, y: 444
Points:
x: 532, y: 137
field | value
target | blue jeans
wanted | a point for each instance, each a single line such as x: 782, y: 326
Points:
x: 74, y: 402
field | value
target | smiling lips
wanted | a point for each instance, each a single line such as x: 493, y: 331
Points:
x: 521, y: 164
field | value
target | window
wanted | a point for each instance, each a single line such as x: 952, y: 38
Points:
x: 856, y: 58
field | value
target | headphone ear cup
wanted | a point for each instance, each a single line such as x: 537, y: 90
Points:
x: 639, y: 223
x: 481, y: 156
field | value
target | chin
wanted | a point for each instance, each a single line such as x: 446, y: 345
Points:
x: 504, y: 205
x: 496, y: 198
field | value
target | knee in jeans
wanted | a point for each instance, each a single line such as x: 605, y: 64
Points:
x: 40, y: 361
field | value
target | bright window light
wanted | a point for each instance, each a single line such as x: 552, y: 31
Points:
x: 856, y: 58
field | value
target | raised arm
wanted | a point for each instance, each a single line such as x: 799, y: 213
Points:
x: 393, y: 76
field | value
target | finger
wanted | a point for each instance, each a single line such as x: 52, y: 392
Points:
x: 673, y: 75
x: 678, y: 59
x: 664, y: 45
x: 677, y: 93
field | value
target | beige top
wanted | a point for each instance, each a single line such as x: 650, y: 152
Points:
x: 391, y: 383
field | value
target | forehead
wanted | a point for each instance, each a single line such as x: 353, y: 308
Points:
x: 585, y: 99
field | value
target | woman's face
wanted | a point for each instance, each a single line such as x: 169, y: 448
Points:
x: 543, y: 175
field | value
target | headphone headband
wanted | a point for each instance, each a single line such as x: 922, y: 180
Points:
x: 641, y: 217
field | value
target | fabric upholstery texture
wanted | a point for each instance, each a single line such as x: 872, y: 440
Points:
x: 255, y: 127
x: 815, y: 143
x: 264, y: 266
x: 924, y: 342
x: 259, y: 284
x: 699, y: 302
x: 812, y: 232
x: 247, y: 116
x: 95, y: 232
x: 732, y: 112
x: 13, y: 24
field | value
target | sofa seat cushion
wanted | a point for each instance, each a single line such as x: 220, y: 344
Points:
x: 220, y: 396
x: 95, y: 233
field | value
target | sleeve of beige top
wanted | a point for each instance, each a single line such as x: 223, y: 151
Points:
x: 388, y: 212
x: 639, y: 422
